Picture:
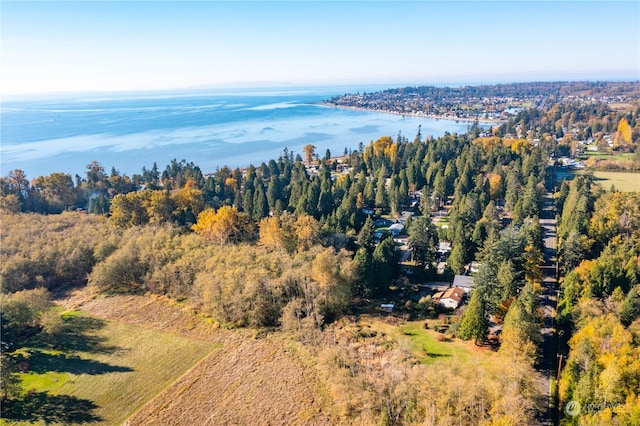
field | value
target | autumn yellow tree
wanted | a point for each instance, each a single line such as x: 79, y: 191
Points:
x: 10, y: 203
x: 487, y: 143
x: 271, y: 235
x: 496, y: 187
x: 57, y: 188
x: 624, y: 134
x: 533, y: 259
x: 130, y: 209
x: 602, y: 367
x: 520, y: 146
x: 224, y: 226
x: 382, y: 145
x: 324, y: 271
x: 391, y: 152
x: 189, y: 199
x: 307, y: 230
x: 160, y: 207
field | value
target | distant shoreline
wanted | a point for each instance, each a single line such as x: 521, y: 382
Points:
x: 413, y: 114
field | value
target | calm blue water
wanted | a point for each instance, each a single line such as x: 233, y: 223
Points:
x: 212, y: 130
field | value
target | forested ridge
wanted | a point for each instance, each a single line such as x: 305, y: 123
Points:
x: 296, y: 244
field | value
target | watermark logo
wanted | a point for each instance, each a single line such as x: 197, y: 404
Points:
x: 572, y: 408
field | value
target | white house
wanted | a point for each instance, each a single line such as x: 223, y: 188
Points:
x: 450, y: 298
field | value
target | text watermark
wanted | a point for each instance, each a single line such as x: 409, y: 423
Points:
x: 573, y: 408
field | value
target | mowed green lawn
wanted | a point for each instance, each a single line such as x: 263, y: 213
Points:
x: 101, y: 374
x: 626, y: 182
x: 427, y: 348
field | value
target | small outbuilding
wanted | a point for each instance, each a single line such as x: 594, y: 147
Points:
x: 387, y: 307
x: 464, y: 282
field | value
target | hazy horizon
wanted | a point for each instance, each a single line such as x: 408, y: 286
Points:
x: 251, y: 87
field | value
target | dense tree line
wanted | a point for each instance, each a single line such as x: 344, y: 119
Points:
x: 283, y: 206
x: 563, y: 125
x: 600, y: 306
x: 383, y: 177
x: 289, y: 205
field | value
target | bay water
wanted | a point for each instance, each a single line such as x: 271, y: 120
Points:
x: 211, y: 129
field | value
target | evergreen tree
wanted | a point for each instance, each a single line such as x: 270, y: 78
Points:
x: 382, y: 198
x: 364, y: 264
x: 365, y: 237
x: 393, y: 198
x: 325, y: 203
x: 513, y: 189
x: 423, y: 240
x: 523, y: 315
x: 369, y: 194
x: 474, y: 323
x: 313, y: 198
x: 247, y: 202
x: 531, y: 200
x: 9, y: 379
x: 260, y: 204
x: 507, y: 279
x: 273, y: 190
x: 384, y: 265
x: 440, y: 187
x: 458, y: 258
x: 403, y: 193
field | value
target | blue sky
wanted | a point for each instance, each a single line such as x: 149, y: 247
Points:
x: 121, y: 46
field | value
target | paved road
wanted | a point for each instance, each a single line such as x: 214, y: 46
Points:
x: 548, y: 304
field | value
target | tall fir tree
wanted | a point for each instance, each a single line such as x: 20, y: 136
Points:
x: 474, y: 323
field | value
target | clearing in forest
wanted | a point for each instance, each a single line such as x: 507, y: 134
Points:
x: 427, y: 345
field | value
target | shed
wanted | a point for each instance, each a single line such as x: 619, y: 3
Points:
x: 387, y: 307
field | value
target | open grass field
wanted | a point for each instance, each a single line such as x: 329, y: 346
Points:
x: 626, y: 182
x: 246, y: 380
x: 623, y: 181
x: 102, y: 372
x: 141, y: 361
